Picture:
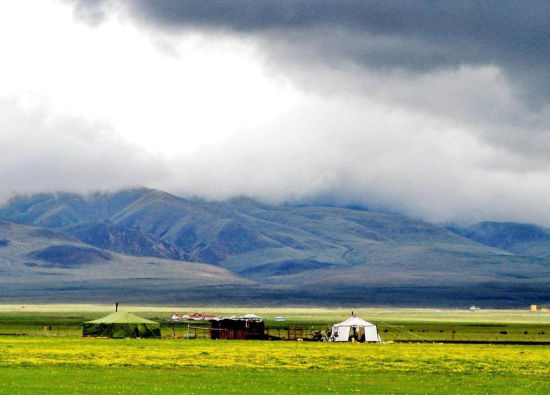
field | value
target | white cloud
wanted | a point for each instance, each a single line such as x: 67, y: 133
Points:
x: 114, y: 105
x: 44, y: 153
x: 361, y: 152
x: 167, y: 101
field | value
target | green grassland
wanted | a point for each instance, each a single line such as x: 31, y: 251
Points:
x: 393, y: 323
x: 60, y: 361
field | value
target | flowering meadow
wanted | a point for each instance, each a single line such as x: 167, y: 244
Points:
x: 172, y: 365
x: 60, y: 361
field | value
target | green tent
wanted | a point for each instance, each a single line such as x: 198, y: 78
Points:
x: 122, y: 325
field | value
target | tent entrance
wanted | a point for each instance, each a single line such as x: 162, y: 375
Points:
x: 342, y: 334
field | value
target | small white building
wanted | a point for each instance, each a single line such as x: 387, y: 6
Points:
x: 176, y: 317
x: 357, y: 329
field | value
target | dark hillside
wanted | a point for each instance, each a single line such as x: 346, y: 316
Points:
x: 109, y: 236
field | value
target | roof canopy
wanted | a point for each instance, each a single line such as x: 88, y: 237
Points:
x: 354, y: 321
x: 251, y: 317
x: 121, y: 318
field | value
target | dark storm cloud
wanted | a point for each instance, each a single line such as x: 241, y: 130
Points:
x: 482, y: 64
x: 417, y: 36
x: 439, y: 110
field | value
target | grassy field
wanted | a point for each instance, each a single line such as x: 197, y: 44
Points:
x: 55, y: 365
x: 60, y: 361
x: 393, y: 324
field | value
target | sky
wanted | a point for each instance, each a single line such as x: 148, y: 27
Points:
x: 436, y: 110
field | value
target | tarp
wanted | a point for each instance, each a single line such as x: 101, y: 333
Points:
x: 122, y: 325
x: 251, y: 317
x: 357, y: 328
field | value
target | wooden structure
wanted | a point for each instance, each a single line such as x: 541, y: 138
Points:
x: 237, y: 329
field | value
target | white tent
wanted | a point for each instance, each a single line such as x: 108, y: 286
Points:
x: 355, y: 328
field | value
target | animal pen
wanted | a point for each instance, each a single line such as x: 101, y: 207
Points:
x: 238, y: 330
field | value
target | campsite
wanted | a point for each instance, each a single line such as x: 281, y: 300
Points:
x: 61, y: 360
x: 274, y: 197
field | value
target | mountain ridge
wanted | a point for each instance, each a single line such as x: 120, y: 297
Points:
x: 316, y: 251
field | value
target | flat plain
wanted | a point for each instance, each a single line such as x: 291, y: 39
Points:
x: 33, y: 360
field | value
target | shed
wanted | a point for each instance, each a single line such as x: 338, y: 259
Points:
x: 122, y: 325
x: 355, y: 328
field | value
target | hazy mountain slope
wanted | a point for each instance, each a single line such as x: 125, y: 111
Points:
x: 239, y: 234
x: 31, y: 255
x: 56, y: 210
x: 521, y: 239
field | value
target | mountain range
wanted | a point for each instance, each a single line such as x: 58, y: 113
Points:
x: 144, y: 245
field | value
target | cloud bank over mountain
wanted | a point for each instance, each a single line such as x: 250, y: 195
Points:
x: 435, y: 110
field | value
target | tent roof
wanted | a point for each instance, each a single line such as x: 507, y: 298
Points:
x: 354, y: 321
x: 122, y: 318
x: 251, y: 317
